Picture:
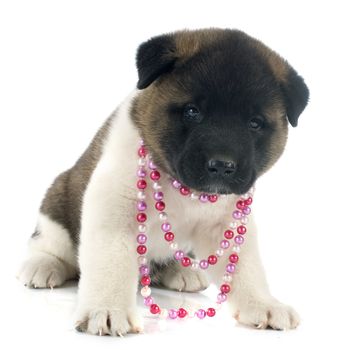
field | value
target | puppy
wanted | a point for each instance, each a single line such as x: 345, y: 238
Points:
x: 212, y: 107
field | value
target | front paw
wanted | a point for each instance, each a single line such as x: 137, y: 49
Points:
x: 108, y: 321
x: 264, y: 314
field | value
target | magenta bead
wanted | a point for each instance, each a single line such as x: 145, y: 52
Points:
x: 201, y: 313
x: 176, y: 184
x: 141, y: 172
x: 230, y: 268
x: 224, y: 244
x: 144, y: 270
x: 179, y: 254
x: 151, y: 165
x: 237, y: 214
x: 166, y: 227
x: 239, y: 239
x: 203, y: 198
x: 148, y: 301
x: 172, y: 313
x: 246, y: 210
x: 222, y: 297
x: 158, y: 196
x: 203, y: 264
x: 141, y: 206
x: 141, y: 238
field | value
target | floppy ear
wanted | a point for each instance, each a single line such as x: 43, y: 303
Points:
x: 154, y: 58
x: 296, y: 95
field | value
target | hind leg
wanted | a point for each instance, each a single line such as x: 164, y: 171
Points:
x: 51, y: 256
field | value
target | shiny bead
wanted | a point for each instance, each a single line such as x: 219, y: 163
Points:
x: 246, y: 210
x: 212, y: 259
x: 142, y: 152
x: 236, y: 249
x: 142, y: 228
x: 163, y: 313
x: 148, y: 301
x: 173, y: 246
x: 141, y: 142
x: 169, y: 236
x: 248, y: 201
x: 158, y: 196
x: 156, y: 186
x: 141, y: 249
x: 233, y: 225
x: 201, y: 313
x: 219, y: 252
x: 203, y: 198
x: 194, y: 196
x: 203, y: 264
x: 142, y: 162
x: 230, y: 268
x: 240, y: 204
x: 228, y: 234
x: 195, y: 265
x: 227, y: 278
x: 151, y: 165
x: 166, y: 226
x: 225, y: 288
x: 155, y: 175
x: 141, y: 206
x: 176, y: 184
x: 155, y: 309
x: 211, y: 312
x: 141, y: 217
x: 179, y: 254
x: 172, y: 314
x: 186, y: 261
x: 141, y: 238
x: 145, y: 280
x: 146, y: 291
x: 142, y: 260
x: 221, y: 297
x: 244, y: 220
x: 141, y: 172
x: 163, y: 216
x: 224, y: 244
x: 141, y: 195
x: 213, y: 198
x: 234, y: 258
x: 182, y: 312
x: 239, y: 240
x: 141, y: 184
x: 184, y: 190
x: 237, y: 214
x: 241, y: 230
x: 160, y: 206
x: 144, y: 270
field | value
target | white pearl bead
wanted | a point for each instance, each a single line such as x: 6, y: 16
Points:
x: 163, y: 216
x: 163, y: 313
x: 245, y: 196
x: 233, y: 224
x: 236, y: 249
x: 146, y: 291
x: 219, y: 252
x: 142, y: 161
x: 141, y: 195
x: 142, y: 260
x: 191, y: 313
x: 173, y: 246
x: 227, y: 278
x: 195, y: 265
x: 194, y: 196
x: 142, y: 228
x: 244, y: 220
x: 156, y: 186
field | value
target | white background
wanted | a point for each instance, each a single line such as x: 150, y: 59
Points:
x: 65, y: 65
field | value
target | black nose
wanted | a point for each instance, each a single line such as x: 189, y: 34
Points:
x: 221, y: 167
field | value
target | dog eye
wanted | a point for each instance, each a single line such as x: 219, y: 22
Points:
x: 192, y: 114
x: 256, y: 123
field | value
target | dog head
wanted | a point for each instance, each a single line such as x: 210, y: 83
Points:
x: 215, y: 106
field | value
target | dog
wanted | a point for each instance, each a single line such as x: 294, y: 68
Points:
x: 213, y: 108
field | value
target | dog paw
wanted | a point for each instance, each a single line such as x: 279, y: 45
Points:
x: 272, y: 314
x: 114, y: 322
x: 42, y: 270
x: 184, y: 279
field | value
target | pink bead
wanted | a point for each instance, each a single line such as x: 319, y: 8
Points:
x: 203, y: 264
x: 239, y: 240
x: 222, y: 298
x: 240, y: 205
x: 172, y: 314
x: 166, y: 226
x: 141, y: 206
x: 237, y: 214
x: 142, y: 151
x: 148, y: 301
x: 179, y: 254
x: 158, y: 196
x: 241, y: 229
x: 230, y: 268
x: 213, y: 198
x: 155, y: 175
x: 151, y: 165
x: 141, y: 184
x: 224, y: 244
x: 203, y: 198
x: 201, y: 313
x: 141, y: 142
x: 176, y: 184
x: 141, y: 172
x: 144, y: 270
x: 246, y: 211
x: 141, y: 238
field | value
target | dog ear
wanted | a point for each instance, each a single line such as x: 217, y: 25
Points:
x: 296, y: 95
x: 154, y: 58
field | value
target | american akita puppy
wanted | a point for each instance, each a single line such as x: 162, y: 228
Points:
x: 212, y: 107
